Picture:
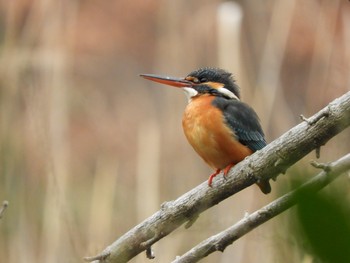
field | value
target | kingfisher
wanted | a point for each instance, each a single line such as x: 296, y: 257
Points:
x: 221, y: 128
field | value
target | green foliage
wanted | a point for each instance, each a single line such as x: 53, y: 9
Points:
x: 324, y: 222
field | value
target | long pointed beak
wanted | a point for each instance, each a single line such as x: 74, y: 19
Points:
x: 176, y: 82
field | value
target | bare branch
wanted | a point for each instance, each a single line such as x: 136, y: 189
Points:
x: 267, y: 163
x: 225, y: 238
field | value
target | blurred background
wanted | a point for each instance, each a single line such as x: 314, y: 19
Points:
x: 88, y: 149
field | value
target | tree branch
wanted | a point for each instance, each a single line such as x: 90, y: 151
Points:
x: 267, y: 163
x: 225, y: 238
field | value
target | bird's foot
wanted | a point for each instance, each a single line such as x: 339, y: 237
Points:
x: 211, y: 177
x: 227, y: 168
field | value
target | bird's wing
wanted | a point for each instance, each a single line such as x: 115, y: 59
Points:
x: 244, y: 122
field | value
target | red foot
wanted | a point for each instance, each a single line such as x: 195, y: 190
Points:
x: 211, y: 177
x: 227, y: 168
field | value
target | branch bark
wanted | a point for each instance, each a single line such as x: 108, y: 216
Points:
x: 267, y: 163
x: 225, y: 238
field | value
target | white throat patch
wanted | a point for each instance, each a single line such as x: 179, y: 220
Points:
x: 190, y: 92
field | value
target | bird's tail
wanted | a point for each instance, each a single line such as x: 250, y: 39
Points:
x: 264, y: 186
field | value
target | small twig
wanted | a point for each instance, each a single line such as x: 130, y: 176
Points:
x: 146, y: 244
x: 309, y: 121
x: 318, y: 152
x: 99, y: 257
x: 324, y: 166
x: 150, y: 253
x: 324, y: 113
x: 302, y: 117
x: 5, y: 204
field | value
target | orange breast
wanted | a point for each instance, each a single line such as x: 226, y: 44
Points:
x: 206, y: 131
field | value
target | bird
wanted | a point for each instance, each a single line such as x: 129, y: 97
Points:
x: 221, y: 128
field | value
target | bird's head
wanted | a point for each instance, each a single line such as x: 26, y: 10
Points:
x: 204, y: 81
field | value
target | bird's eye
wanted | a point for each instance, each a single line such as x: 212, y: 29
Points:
x: 203, y: 80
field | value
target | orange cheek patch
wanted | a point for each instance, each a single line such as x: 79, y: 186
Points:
x: 215, y: 85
